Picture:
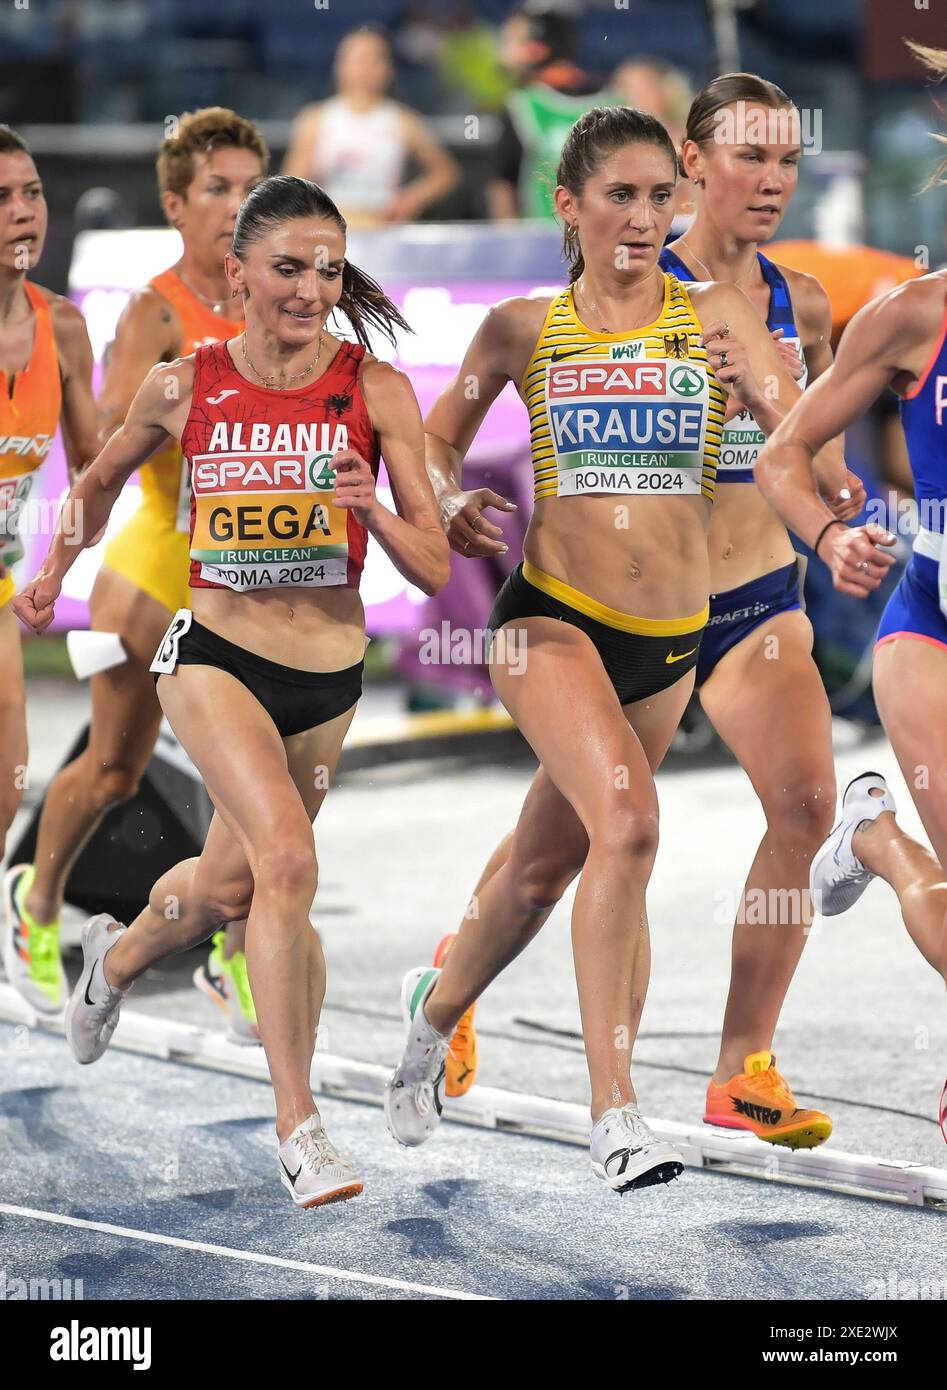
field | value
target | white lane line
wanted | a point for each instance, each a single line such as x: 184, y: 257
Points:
x: 250, y: 1256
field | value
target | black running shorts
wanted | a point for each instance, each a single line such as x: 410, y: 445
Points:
x: 295, y: 700
x: 637, y: 666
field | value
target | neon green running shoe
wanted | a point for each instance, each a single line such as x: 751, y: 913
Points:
x: 226, y: 982
x: 31, y: 955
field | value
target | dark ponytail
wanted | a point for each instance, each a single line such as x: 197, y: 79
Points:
x: 596, y: 135
x: 282, y: 198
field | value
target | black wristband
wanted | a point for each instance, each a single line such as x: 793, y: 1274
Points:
x: 834, y: 522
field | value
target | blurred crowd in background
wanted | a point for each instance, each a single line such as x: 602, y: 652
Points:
x: 117, y: 64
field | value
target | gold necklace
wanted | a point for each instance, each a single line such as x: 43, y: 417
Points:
x: 591, y: 304
x: 268, y: 380
x: 215, y: 305
x: 705, y: 266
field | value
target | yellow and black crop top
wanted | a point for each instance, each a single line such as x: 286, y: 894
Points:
x: 636, y: 413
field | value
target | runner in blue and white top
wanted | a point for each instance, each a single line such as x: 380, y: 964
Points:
x: 757, y: 680
x: 899, y: 340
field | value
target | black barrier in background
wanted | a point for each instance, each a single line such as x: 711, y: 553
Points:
x: 139, y: 840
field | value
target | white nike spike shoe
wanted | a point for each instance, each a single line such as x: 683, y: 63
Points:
x: 93, y: 1008
x: 837, y: 877
x: 312, y: 1171
x: 414, y: 1095
x: 627, y: 1154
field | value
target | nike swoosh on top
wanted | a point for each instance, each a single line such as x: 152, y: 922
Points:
x: 90, y: 1002
x: 557, y: 356
x: 680, y: 657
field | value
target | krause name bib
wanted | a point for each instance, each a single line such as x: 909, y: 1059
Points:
x: 628, y: 427
x: 261, y: 477
x: 634, y: 414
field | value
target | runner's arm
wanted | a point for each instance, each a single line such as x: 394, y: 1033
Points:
x: 91, y: 498
x: 147, y: 332
x: 869, y: 358
x: 79, y: 424
x: 412, y: 539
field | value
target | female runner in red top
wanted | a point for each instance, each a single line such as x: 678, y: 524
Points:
x: 282, y: 429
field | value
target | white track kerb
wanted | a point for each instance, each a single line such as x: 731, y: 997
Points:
x: 717, y: 1150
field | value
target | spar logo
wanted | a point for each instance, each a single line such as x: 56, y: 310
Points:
x: 321, y: 473
x: 595, y: 377
x: 686, y: 381
x: 264, y: 473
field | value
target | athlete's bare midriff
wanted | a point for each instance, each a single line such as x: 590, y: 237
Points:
x: 310, y: 629
x: 746, y: 538
x: 647, y: 558
x: 643, y: 556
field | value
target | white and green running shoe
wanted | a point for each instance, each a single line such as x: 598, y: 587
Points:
x: 227, y: 983
x: 31, y: 955
x: 414, y: 1095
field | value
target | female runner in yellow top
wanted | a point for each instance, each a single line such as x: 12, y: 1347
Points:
x: 205, y: 170
x: 755, y: 669
x: 597, y: 633
x: 45, y: 379
x: 283, y: 429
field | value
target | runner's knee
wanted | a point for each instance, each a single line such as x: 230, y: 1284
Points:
x: 288, y: 867
x: 541, y: 881
x: 113, y: 783
x: 626, y: 831
x: 801, y: 811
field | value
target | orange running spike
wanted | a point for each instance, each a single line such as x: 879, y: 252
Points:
x: 760, y: 1100
x: 461, y: 1065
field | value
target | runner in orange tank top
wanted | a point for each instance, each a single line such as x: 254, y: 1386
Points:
x: 204, y: 173
x: 283, y: 429
x: 45, y: 378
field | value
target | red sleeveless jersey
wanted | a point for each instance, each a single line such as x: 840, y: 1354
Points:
x: 260, y: 467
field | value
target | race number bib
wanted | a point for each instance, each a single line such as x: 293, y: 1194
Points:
x: 633, y: 428
x: 13, y: 496
x: 166, y: 657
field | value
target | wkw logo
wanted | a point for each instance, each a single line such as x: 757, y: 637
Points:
x: 627, y: 351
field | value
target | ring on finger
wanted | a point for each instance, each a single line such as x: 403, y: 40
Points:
x: 466, y: 546
x: 862, y: 565
x: 724, y: 358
